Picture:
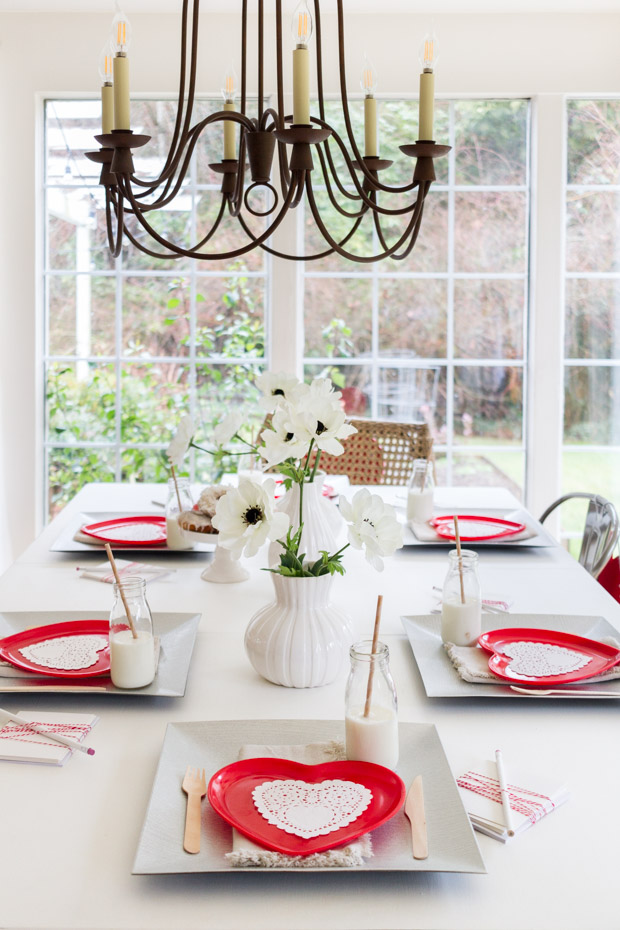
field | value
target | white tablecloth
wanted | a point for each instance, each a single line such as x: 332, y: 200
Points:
x: 69, y: 835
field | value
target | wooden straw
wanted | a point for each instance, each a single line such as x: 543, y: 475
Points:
x: 428, y: 462
x: 460, y: 557
x: 371, y: 670
x: 176, y: 486
x: 120, y: 588
x: 501, y: 777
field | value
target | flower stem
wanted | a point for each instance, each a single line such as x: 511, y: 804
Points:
x: 316, y: 463
x: 340, y: 551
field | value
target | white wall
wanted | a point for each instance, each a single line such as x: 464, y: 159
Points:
x: 46, y: 53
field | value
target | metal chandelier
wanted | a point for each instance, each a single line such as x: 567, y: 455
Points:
x: 297, y: 137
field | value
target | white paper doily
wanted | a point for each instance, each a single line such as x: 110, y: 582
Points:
x: 311, y: 809
x: 68, y: 652
x: 132, y: 532
x: 542, y: 660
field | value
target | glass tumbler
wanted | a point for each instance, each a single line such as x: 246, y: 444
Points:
x: 461, y: 609
x: 371, y: 706
x: 175, y: 537
x: 420, y: 492
x: 132, y: 658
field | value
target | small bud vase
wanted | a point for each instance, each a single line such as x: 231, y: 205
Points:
x: 322, y: 521
x: 300, y: 640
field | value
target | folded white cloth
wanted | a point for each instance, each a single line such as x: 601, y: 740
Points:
x: 472, y: 664
x: 104, y: 573
x: 532, y: 797
x: 246, y: 853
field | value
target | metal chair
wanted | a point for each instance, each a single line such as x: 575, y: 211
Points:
x: 600, y: 533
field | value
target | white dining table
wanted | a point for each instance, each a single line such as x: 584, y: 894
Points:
x: 69, y: 834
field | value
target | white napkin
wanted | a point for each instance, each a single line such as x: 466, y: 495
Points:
x: 472, y: 664
x: 104, y: 573
x: 246, y: 853
x: 532, y: 797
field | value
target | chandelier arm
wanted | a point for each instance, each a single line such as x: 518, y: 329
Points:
x: 299, y: 180
x: 417, y: 215
x: 362, y: 195
x: 328, y: 187
x: 362, y: 259
x: 302, y: 258
x: 189, y: 253
x: 198, y: 245
x: 285, y: 174
x: 260, y: 60
x: 115, y: 244
x: 244, y: 47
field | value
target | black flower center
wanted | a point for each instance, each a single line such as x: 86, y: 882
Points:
x: 253, y: 515
x: 369, y: 522
x: 277, y: 391
x: 320, y: 428
x: 289, y: 436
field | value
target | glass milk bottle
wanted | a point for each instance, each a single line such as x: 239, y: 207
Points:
x: 175, y: 537
x: 132, y: 659
x: 420, y: 492
x: 461, y: 609
x: 371, y: 736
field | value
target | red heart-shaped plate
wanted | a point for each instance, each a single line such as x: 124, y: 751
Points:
x: 230, y: 794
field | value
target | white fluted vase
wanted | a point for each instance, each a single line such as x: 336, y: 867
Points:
x: 300, y: 640
x: 321, y: 518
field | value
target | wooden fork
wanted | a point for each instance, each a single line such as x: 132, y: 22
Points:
x: 195, y: 787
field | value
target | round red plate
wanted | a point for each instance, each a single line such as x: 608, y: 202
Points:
x: 10, y: 646
x: 492, y: 527
x: 230, y: 794
x: 601, y: 655
x: 156, y: 529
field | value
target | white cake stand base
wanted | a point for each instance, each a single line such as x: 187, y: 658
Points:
x: 224, y: 569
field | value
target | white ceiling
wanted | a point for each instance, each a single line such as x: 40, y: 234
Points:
x: 361, y: 6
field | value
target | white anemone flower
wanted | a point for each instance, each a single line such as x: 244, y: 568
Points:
x: 245, y: 518
x: 181, y: 440
x: 322, y: 418
x: 283, y: 440
x: 277, y: 387
x: 227, y: 427
x: 373, y: 526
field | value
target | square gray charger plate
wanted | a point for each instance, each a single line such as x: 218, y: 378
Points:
x: 176, y: 631
x: 66, y: 543
x: 441, y: 679
x: 214, y: 744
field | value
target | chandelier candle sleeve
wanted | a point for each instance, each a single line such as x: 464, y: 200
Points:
x: 229, y: 91
x: 369, y: 87
x: 107, y: 90
x: 121, y: 36
x: 302, y: 30
x: 428, y: 57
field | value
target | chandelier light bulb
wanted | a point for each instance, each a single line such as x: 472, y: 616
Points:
x: 230, y: 85
x: 105, y: 63
x: 368, y: 81
x: 301, y: 26
x: 121, y: 33
x: 429, y: 52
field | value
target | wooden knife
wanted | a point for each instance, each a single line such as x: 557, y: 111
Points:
x: 414, y: 809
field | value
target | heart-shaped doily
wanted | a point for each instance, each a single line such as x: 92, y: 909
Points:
x: 307, y: 810
x: 539, y: 660
x: 66, y: 652
x: 231, y: 791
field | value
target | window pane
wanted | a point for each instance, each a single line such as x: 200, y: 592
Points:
x: 488, y: 319
x: 413, y: 395
x: 592, y: 234
x: 593, y: 141
x: 338, y: 315
x: 156, y: 316
x: 492, y: 468
x: 412, y: 317
x: 81, y: 402
x: 81, y: 314
x: 70, y: 469
x: 592, y: 405
x: 592, y: 318
x: 230, y: 317
x: 491, y: 140
x: 154, y: 397
x: 77, y: 233
x: 490, y: 230
x: 488, y: 404
x: 430, y: 253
